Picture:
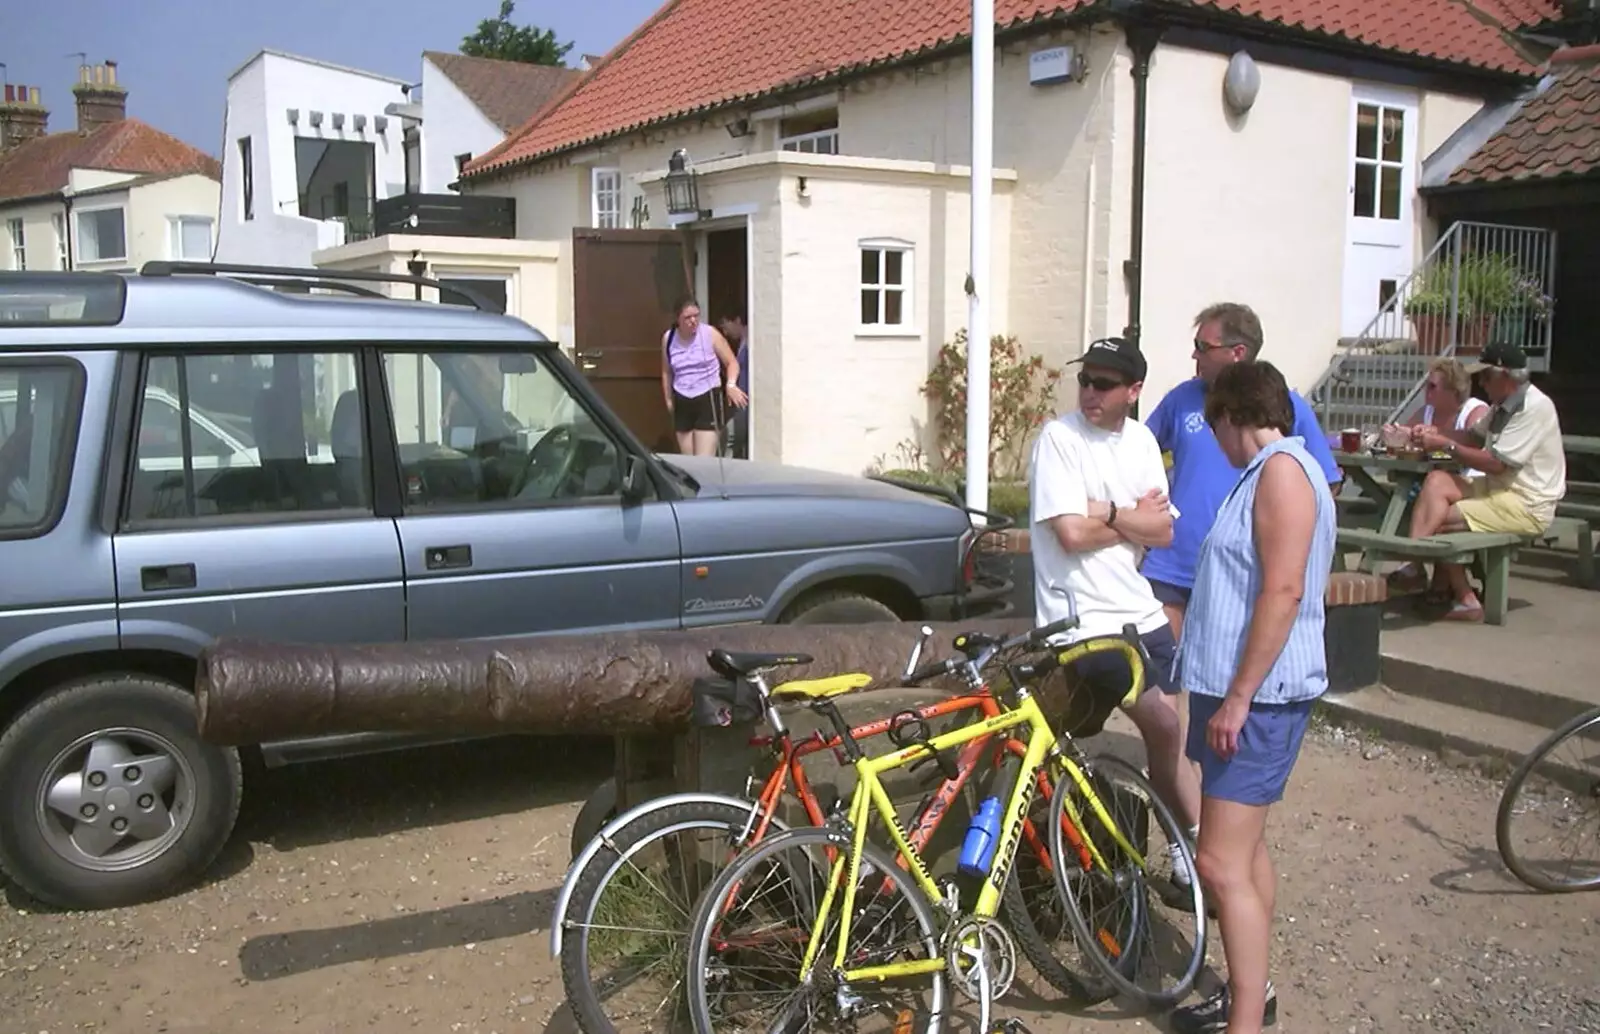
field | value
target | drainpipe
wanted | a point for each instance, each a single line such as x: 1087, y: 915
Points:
x: 1142, y: 39
x: 66, y: 225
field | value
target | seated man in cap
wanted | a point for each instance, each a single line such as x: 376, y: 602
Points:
x: 1517, y: 444
x: 1099, y: 498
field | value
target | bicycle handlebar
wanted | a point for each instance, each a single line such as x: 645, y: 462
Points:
x: 979, y: 649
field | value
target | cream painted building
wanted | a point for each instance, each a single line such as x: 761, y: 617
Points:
x: 843, y: 194
x: 107, y: 196
x: 118, y: 222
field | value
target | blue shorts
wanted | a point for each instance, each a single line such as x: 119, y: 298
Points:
x: 1108, y: 674
x: 1269, y: 745
x: 1167, y: 593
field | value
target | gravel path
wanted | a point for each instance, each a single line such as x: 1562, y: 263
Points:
x: 413, y: 892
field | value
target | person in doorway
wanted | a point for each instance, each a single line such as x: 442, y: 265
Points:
x: 1253, y: 660
x: 1098, y: 500
x: 698, y: 360
x: 738, y: 335
x: 1517, y: 444
x: 1225, y: 334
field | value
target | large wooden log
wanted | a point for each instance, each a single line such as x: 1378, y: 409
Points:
x: 252, y: 691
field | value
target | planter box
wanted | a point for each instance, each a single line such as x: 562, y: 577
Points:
x: 1433, y: 333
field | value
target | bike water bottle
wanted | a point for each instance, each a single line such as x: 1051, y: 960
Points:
x: 977, y: 851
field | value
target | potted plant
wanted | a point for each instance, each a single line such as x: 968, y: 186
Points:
x: 1485, y: 284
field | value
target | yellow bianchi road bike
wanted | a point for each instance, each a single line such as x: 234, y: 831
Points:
x: 819, y: 928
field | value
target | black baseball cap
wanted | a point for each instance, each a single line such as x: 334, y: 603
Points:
x: 1115, y: 353
x: 1499, y: 355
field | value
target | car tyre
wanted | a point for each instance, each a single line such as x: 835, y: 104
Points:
x: 836, y: 607
x: 600, y: 808
x: 110, y: 797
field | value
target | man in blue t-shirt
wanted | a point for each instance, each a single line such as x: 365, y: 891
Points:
x: 1201, y: 475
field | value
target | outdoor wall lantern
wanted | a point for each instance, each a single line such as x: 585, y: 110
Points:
x: 1240, y: 83
x: 683, y: 193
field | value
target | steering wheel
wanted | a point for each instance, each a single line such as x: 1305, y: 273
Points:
x: 550, y: 462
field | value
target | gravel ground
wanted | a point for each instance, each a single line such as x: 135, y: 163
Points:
x: 413, y: 892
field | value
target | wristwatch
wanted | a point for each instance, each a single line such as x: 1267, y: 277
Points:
x: 1111, y: 514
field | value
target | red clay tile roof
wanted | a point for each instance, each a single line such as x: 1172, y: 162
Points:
x: 1445, y: 30
x: 40, y: 166
x: 1522, y: 14
x: 697, y: 55
x: 1556, y: 134
x: 507, y: 92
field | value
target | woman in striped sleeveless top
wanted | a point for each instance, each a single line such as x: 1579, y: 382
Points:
x: 1252, y: 659
x: 692, y: 371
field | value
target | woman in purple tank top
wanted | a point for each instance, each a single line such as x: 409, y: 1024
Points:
x: 695, y: 358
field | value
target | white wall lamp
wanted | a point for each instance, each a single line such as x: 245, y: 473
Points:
x: 1241, y: 83
x: 801, y: 190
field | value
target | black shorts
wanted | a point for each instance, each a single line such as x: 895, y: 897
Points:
x: 1166, y: 592
x: 697, y: 414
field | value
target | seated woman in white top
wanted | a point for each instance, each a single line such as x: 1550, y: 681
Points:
x: 1448, y: 405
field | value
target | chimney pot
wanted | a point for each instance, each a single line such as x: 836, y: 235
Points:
x: 101, y: 100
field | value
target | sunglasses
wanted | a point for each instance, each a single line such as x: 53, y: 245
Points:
x: 1101, y: 384
x: 1202, y: 347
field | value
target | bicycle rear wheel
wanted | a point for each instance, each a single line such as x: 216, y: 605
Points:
x: 1556, y: 789
x: 753, y: 926
x: 1158, y: 964
x: 622, y: 961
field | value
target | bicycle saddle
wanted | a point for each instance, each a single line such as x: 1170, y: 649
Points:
x: 821, y: 689
x: 732, y: 665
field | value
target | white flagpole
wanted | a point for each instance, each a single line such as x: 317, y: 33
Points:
x: 978, y: 332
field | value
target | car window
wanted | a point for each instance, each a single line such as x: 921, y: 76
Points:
x: 39, y: 407
x: 268, y: 433
x: 494, y: 428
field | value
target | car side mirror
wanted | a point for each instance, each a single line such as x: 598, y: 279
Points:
x: 633, y: 479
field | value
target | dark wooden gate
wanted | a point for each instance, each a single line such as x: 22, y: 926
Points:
x: 626, y: 284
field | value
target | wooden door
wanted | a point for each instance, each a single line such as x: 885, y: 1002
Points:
x: 626, y: 286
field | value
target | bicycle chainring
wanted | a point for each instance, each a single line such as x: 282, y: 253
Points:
x: 963, y: 938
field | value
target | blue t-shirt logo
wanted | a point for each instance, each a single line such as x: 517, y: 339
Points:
x: 1201, y: 476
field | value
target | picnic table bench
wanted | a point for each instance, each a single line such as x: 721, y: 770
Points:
x: 1493, y: 549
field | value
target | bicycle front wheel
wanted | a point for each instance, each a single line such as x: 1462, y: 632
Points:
x: 754, y: 925
x: 1548, y: 825
x: 1149, y: 946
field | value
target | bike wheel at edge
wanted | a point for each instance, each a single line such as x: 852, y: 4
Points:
x: 1583, y: 798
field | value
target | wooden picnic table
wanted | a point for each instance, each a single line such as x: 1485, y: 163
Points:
x: 1392, y: 492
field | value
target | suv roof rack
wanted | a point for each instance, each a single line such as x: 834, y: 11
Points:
x: 303, y: 277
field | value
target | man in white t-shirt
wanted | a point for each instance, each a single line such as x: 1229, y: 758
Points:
x: 1098, y: 493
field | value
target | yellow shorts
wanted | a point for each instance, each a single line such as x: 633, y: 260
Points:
x: 1501, y: 510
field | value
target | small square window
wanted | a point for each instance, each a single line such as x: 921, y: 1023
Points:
x: 885, y: 283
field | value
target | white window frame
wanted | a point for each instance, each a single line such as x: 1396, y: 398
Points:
x: 1378, y: 163
x: 175, y: 237
x: 18, y: 233
x: 81, y: 212
x: 605, y: 181
x: 907, y: 327
x: 58, y: 223
x: 823, y: 141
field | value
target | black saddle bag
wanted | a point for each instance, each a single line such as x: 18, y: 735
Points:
x: 716, y: 703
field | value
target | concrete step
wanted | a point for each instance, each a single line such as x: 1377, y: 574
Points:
x: 1499, y: 700
x: 1498, y: 741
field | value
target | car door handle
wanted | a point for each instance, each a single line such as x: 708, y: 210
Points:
x: 169, y: 576
x: 441, y: 558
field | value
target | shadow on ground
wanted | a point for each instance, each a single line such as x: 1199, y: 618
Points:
x: 1476, y: 861
x: 373, y: 796
x: 286, y: 954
